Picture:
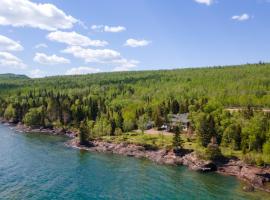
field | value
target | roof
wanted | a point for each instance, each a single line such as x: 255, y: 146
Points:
x: 180, y: 118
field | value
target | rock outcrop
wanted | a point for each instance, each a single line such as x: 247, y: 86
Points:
x: 161, y: 156
x: 258, y: 177
x: 195, y: 163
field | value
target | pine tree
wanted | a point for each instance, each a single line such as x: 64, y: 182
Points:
x: 83, y: 134
x: 177, y: 140
x: 158, y: 118
x: 175, y: 107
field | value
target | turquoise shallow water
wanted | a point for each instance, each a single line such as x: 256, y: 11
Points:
x: 35, y: 166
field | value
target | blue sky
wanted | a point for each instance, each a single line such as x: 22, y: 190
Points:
x: 52, y: 37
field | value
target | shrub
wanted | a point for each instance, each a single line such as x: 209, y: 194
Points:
x: 213, y: 152
x: 118, y: 131
x: 34, y: 117
x: 254, y: 159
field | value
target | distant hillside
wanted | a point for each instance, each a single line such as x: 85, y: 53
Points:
x: 10, y: 81
x: 231, y: 86
x: 13, y: 76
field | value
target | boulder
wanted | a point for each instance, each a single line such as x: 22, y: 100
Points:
x: 195, y: 163
x: 248, y: 188
x: 255, y: 175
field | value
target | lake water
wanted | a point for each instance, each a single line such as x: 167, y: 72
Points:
x: 36, y: 166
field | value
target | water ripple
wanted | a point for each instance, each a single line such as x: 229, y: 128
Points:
x: 34, y: 166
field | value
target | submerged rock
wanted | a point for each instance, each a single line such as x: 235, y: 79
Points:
x: 248, y: 188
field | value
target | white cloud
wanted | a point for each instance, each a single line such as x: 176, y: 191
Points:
x: 82, y: 70
x: 242, y: 17
x: 7, y: 44
x: 41, y: 45
x: 105, y: 56
x: 11, y: 61
x: 20, y: 13
x: 74, y: 39
x: 50, y: 60
x: 206, y: 2
x: 37, y: 73
x: 105, y: 28
x: 114, y: 29
x: 93, y: 55
x: 125, y: 65
x: 98, y: 28
x: 137, y: 43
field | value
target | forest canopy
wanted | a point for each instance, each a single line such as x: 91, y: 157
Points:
x: 119, y: 102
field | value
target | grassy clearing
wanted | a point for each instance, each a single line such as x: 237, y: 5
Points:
x: 156, y: 141
x: 159, y: 141
x: 152, y: 141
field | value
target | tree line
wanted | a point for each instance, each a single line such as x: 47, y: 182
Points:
x: 115, y: 103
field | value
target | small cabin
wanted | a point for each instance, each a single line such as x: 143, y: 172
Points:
x: 180, y: 118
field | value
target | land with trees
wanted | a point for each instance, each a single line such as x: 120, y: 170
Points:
x: 111, y: 106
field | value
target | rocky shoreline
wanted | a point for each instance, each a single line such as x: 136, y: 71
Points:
x: 52, y: 131
x: 20, y: 127
x: 253, y: 176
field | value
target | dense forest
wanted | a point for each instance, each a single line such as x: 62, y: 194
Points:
x: 119, y: 102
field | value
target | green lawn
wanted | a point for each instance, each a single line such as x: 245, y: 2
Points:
x: 155, y: 141
x: 159, y: 141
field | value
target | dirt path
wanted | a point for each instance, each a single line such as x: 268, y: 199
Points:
x: 156, y: 132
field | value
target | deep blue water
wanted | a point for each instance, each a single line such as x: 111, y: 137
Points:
x: 36, y: 166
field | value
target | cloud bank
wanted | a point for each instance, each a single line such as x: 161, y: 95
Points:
x: 75, y: 39
x: 137, y: 43
x: 11, y: 61
x: 7, y: 44
x: 20, y: 13
x: 50, y: 60
x: 106, y: 28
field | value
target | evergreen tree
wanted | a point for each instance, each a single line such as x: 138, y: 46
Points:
x: 83, y: 133
x: 177, y: 140
x: 175, y: 107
